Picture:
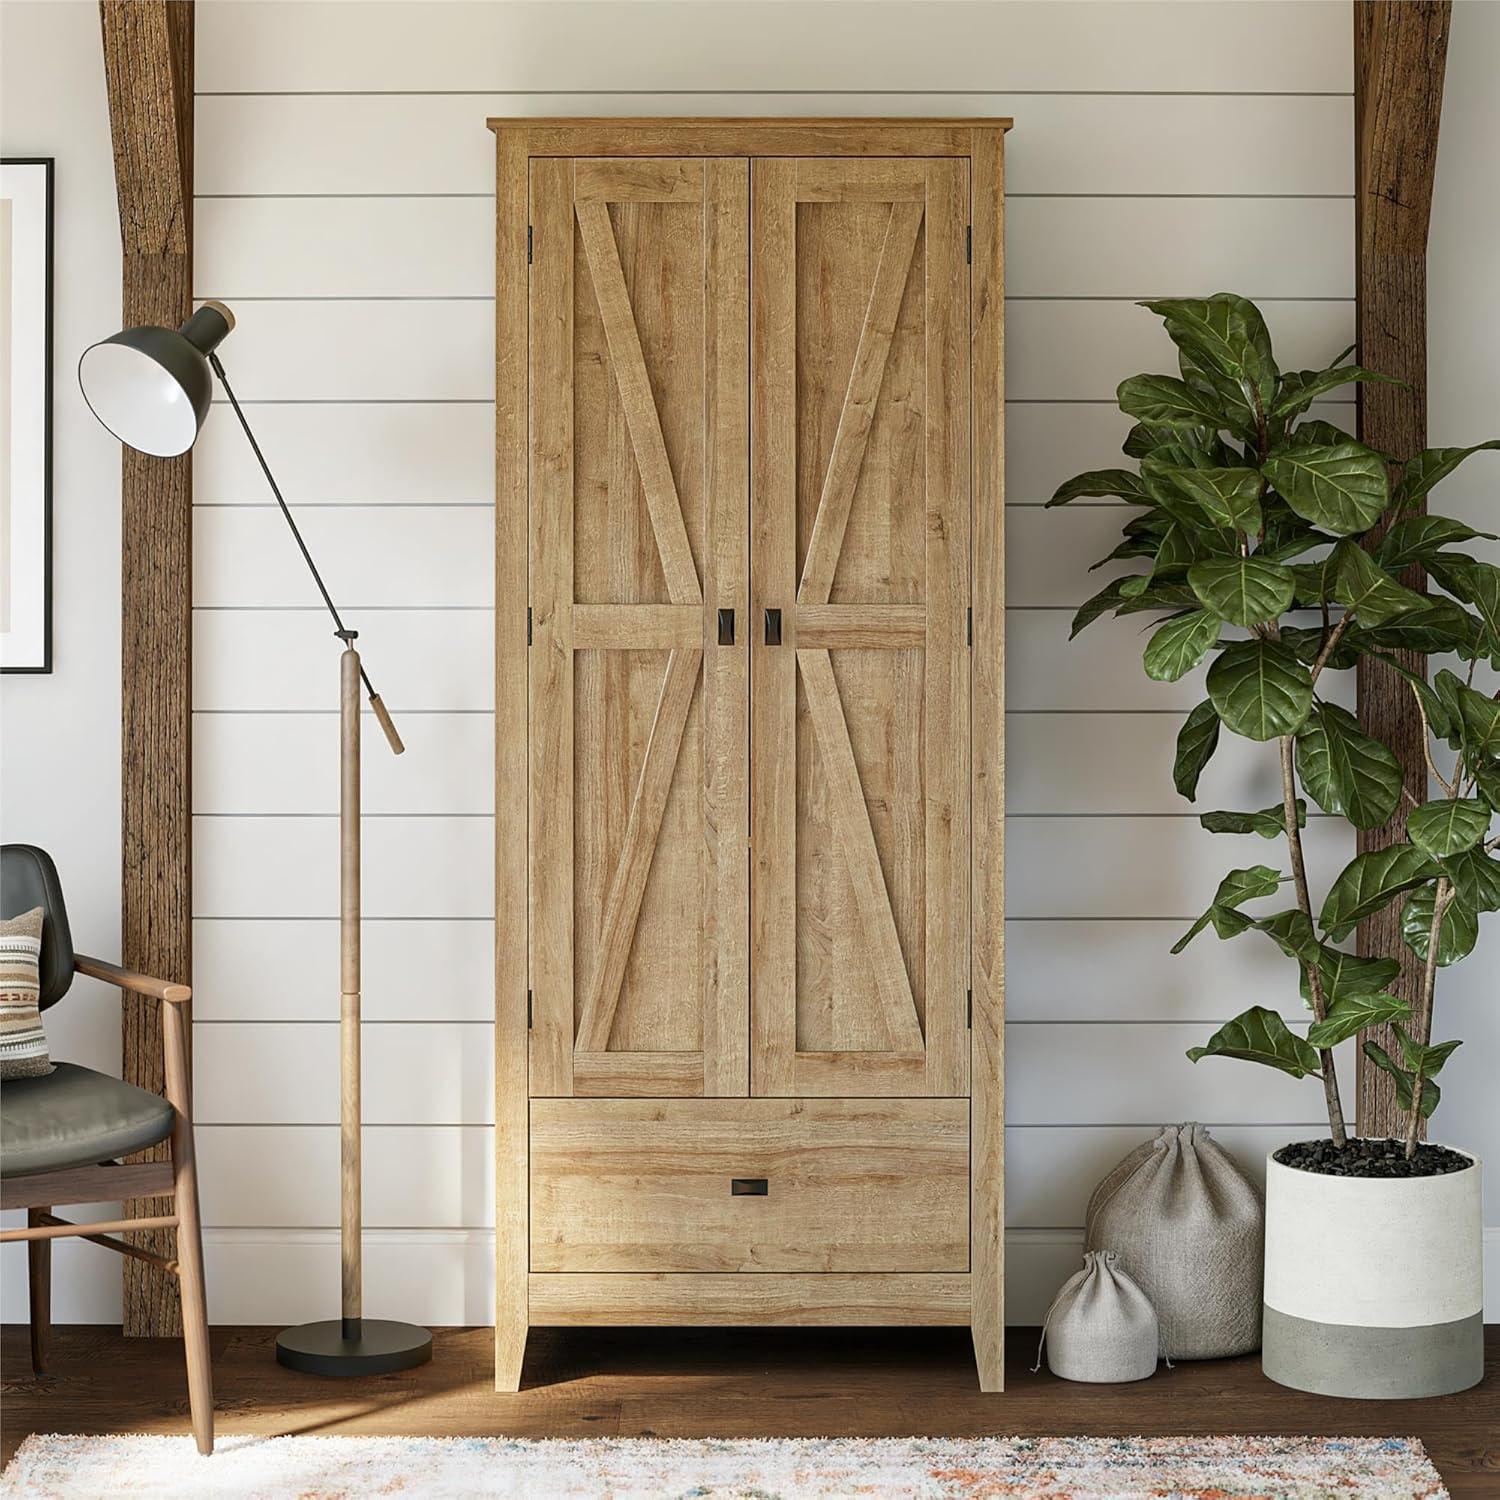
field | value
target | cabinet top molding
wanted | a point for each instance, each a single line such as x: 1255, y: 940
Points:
x: 757, y: 136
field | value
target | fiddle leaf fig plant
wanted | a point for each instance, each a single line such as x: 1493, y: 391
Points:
x: 1256, y: 536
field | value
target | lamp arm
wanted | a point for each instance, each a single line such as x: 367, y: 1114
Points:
x: 382, y: 714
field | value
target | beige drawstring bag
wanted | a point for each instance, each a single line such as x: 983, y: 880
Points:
x: 1101, y: 1326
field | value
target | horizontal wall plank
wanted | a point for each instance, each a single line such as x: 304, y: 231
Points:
x: 1122, y: 763
x: 289, y: 867
x: 1146, y: 867
x: 1126, y: 1074
x: 289, y: 763
x: 288, y: 659
x: 367, y: 350
x: 424, y: 1177
x: 1071, y: 351
x: 411, y: 556
x: 1100, y: 670
x: 422, y: 970
x: 349, y: 453
x: 1048, y: 442
x: 549, y: 45
x: 380, y: 247
x: 273, y: 1074
x: 1094, y: 970
x: 1050, y: 1172
x: 430, y: 143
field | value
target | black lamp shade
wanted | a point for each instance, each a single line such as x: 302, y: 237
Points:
x: 151, y: 387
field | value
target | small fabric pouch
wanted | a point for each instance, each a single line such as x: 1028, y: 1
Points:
x: 1101, y: 1326
x: 23, y: 1043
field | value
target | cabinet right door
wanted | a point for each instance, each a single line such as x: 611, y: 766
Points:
x: 860, y: 514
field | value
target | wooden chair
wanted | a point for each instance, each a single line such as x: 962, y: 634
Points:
x: 61, y: 1136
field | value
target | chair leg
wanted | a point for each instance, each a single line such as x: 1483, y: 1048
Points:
x: 39, y: 1278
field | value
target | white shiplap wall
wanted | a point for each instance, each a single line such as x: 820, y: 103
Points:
x: 344, y: 180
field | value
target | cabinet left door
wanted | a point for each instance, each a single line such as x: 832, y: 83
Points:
x: 638, y: 672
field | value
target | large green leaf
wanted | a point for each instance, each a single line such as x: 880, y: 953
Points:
x: 1419, y: 474
x: 1269, y: 823
x: 1228, y: 497
x: 1260, y: 1035
x: 1350, y: 976
x: 1292, y: 932
x: 1364, y: 588
x: 1479, y: 721
x: 1260, y: 689
x: 1180, y: 644
x: 1476, y: 583
x: 1300, y: 388
x: 1345, y: 770
x: 1476, y: 877
x: 1236, y: 888
x: 1243, y: 590
x: 1224, y: 333
x: 1343, y: 489
x: 1347, y: 1017
x: 1315, y: 581
x: 1403, y: 1080
x: 1325, y: 434
x: 1457, y: 934
x: 1448, y: 825
x: 1165, y: 401
x: 1369, y: 882
x: 1429, y: 1059
x: 1120, y: 482
x: 1417, y: 537
x: 1196, y: 742
x: 1439, y: 625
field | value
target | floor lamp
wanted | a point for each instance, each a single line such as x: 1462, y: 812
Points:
x: 152, y: 387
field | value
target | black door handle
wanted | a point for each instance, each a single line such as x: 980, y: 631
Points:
x: 748, y: 1187
x: 726, y: 627
x: 773, y: 627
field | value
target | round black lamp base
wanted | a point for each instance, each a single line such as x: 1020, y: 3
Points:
x: 378, y: 1347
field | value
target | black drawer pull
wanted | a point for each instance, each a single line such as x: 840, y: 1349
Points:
x: 773, y: 627
x: 748, y: 1187
x: 726, y: 627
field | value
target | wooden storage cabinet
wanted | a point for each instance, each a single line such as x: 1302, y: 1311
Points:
x: 749, y: 974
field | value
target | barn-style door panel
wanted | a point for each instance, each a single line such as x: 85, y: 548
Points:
x: 860, y: 584
x: 638, y: 665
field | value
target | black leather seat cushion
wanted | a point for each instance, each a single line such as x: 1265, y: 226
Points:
x: 75, y: 1117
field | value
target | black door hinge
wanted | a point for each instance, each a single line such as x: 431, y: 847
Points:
x: 528, y: 624
x: 969, y: 245
x: 969, y: 1011
x: 528, y: 1010
x: 528, y: 244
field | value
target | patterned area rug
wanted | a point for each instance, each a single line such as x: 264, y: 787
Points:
x: 331, y: 1468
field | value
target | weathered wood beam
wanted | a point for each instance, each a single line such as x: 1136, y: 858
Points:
x: 148, y: 65
x: 1399, y: 51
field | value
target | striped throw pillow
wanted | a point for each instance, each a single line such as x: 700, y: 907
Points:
x: 23, y: 1043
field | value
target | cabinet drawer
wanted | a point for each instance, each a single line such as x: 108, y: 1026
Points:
x: 749, y: 1185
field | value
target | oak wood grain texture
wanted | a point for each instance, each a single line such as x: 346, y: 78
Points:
x: 756, y: 1382
x: 148, y: 65
x: 852, y: 1185
x: 102, y: 1184
x: 1400, y: 47
x: 512, y: 799
x: 138, y: 984
x: 987, y: 762
x: 768, y: 137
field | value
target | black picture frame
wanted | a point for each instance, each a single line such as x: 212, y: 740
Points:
x: 48, y: 164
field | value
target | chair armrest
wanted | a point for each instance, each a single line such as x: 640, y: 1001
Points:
x: 128, y: 979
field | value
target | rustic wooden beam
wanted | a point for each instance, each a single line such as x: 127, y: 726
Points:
x: 1399, y: 51
x: 148, y: 65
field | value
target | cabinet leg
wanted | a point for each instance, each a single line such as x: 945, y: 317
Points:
x: 989, y: 1356
x: 510, y: 1354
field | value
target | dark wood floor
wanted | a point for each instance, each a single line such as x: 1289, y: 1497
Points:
x: 639, y: 1382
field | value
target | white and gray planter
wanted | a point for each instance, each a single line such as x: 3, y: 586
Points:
x: 1374, y: 1286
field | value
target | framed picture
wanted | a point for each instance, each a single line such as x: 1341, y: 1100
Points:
x: 26, y: 415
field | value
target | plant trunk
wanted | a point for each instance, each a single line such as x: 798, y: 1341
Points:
x: 1314, y: 974
x: 1422, y: 1031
